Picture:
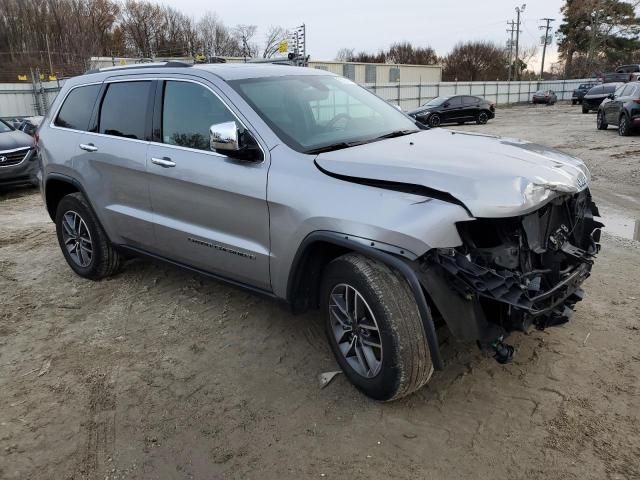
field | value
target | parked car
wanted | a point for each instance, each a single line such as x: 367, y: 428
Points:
x: 594, y: 97
x: 29, y: 125
x: 625, y: 73
x: 547, y: 97
x: 456, y: 109
x: 301, y: 185
x: 581, y: 91
x: 18, y: 159
x: 621, y: 108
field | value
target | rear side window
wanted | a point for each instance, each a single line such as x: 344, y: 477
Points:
x: 124, y: 109
x: 188, y: 111
x: 470, y: 100
x: 628, y: 90
x: 77, y: 107
x: 455, y: 101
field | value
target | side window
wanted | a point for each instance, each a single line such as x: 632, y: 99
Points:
x: 469, y: 101
x: 618, y: 92
x: 628, y: 90
x: 188, y: 110
x: 455, y: 101
x: 77, y: 108
x: 124, y: 109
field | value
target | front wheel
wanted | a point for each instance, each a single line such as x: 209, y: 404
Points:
x: 601, y: 122
x: 83, y: 242
x: 435, y: 120
x: 374, y: 328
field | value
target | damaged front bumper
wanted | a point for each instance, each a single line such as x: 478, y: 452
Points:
x: 515, y: 272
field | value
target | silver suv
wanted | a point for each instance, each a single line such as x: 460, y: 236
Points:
x: 303, y: 186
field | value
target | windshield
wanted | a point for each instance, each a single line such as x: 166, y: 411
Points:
x: 310, y: 112
x: 436, y: 101
x: 4, y: 127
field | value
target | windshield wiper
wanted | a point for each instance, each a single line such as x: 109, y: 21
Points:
x: 396, y: 133
x: 332, y: 147
x: 342, y: 145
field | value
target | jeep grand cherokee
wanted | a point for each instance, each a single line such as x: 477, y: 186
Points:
x: 301, y: 185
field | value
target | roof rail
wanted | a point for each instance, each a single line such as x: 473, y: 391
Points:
x: 171, y: 63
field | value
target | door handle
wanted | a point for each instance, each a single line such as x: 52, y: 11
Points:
x: 89, y: 147
x: 163, y: 162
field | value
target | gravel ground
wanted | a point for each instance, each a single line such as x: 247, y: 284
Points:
x: 160, y: 373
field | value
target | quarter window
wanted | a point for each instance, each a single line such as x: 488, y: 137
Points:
x: 124, y: 109
x: 188, y: 111
x: 77, y: 108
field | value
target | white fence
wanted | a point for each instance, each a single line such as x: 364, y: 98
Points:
x: 410, y: 96
x: 27, y: 99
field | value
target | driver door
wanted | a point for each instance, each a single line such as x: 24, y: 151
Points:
x: 453, y: 110
x: 209, y: 210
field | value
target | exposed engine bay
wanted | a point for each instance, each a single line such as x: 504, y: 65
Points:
x: 513, y: 273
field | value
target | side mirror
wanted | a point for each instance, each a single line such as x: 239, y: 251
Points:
x: 224, y: 136
x: 611, y: 96
x: 446, y: 105
x: 227, y: 138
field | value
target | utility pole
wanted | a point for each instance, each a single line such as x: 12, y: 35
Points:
x: 511, y: 31
x: 519, y: 10
x: 546, y: 40
x: 46, y: 37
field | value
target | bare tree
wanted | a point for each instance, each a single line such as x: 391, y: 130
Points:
x: 345, y: 55
x: 245, y: 35
x: 475, y: 61
x: 275, y: 35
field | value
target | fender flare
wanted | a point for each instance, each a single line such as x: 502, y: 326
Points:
x: 388, y: 259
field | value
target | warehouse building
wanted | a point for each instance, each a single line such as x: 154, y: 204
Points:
x: 362, y: 73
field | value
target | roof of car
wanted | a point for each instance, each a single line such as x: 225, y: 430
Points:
x: 226, y: 71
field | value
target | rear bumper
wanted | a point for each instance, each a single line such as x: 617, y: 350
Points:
x: 22, y: 173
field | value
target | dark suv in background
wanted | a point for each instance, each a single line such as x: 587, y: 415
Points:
x: 621, y: 108
x: 595, y: 96
x: 457, y: 109
x: 581, y: 91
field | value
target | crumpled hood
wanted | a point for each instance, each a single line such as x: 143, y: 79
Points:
x: 492, y: 176
x: 14, y: 139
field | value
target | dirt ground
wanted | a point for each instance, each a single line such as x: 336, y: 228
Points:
x: 161, y: 373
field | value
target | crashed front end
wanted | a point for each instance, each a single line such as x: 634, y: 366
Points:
x: 513, y: 273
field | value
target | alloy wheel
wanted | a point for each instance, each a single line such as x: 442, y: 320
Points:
x: 77, y: 239
x: 355, y: 330
x: 483, y: 118
x: 434, y: 121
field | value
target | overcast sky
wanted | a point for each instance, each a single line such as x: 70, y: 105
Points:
x: 374, y: 24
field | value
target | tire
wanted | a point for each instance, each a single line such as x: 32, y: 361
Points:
x: 403, y: 363
x: 585, y: 109
x: 624, y: 128
x: 483, y: 118
x: 435, y: 120
x: 601, y: 123
x: 93, y: 259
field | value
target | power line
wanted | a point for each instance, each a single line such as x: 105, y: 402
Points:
x: 519, y: 10
x: 546, y: 40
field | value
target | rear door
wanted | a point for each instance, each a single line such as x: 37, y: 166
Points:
x: 210, y: 210
x: 113, y: 162
x: 470, y: 108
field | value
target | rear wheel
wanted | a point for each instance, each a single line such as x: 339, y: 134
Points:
x: 601, y: 122
x: 434, y: 120
x: 374, y: 328
x: 624, y: 128
x: 483, y: 117
x: 84, y: 243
